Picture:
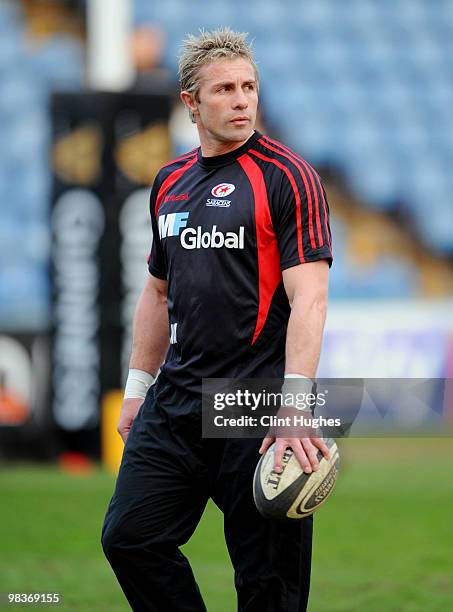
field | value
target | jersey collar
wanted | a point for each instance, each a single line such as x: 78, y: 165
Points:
x: 222, y: 160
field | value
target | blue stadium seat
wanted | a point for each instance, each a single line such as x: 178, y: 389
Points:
x: 24, y: 295
x: 20, y: 93
x: 372, y: 175
x: 10, y: 49
x: 29, y: 136
x: 60, y: 63
x: 275, y: 66
x: 146, y: 12
x: 10, y: 15
x: 435, y: 229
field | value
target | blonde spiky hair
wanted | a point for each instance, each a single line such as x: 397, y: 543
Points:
x: 198, y: 51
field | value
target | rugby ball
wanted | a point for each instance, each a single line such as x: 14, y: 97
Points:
x: 294, y: 494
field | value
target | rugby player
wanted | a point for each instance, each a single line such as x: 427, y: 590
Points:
x: 237, y: 288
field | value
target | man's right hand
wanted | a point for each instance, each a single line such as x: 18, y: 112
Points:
x: 128, y: 413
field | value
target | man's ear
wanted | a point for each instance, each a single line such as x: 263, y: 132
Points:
x: 189, y: 101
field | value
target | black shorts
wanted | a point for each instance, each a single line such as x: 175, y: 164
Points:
x: 167, y: 474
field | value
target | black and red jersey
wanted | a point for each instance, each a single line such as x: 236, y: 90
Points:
x: 224, y: 228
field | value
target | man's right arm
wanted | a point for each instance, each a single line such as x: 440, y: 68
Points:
x: 149, y: 343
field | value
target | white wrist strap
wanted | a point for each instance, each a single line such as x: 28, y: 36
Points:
x: 296, y: 376
x: 137, y: 384
x: 305, y: 386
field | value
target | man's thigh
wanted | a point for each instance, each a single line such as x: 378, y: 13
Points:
x: 272, y: 559
x: 160, y: 491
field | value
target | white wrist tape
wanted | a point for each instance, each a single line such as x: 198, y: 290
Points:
x: 304, y: 386
x: 296, y: 376
x: 137, y: 384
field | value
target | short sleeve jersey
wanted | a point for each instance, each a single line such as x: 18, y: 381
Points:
x: 224, y: 228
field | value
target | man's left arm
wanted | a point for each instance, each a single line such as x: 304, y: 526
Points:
x: 306, y: 286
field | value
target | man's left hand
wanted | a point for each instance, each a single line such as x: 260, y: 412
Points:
x: 305, y: 449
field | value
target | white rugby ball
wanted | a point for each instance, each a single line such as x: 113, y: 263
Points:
x: 294, y: 494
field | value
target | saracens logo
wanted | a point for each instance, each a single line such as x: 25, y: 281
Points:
x: 222, y: 190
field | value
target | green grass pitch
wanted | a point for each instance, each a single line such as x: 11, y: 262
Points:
x: 383, y: 541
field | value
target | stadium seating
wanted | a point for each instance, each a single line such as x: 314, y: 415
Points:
x: 359, y: 86
x: 27, y: 76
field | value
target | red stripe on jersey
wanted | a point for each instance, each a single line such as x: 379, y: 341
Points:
x: 269, y: 274
x: 293, y: 183
x: 171, y: 180
x: 307, y: 189
x: 315, y: 174
x: 180, y: 158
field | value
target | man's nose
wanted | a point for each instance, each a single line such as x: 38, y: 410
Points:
x: 240, y: 99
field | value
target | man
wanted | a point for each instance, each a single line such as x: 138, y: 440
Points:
x: 238, y: 280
